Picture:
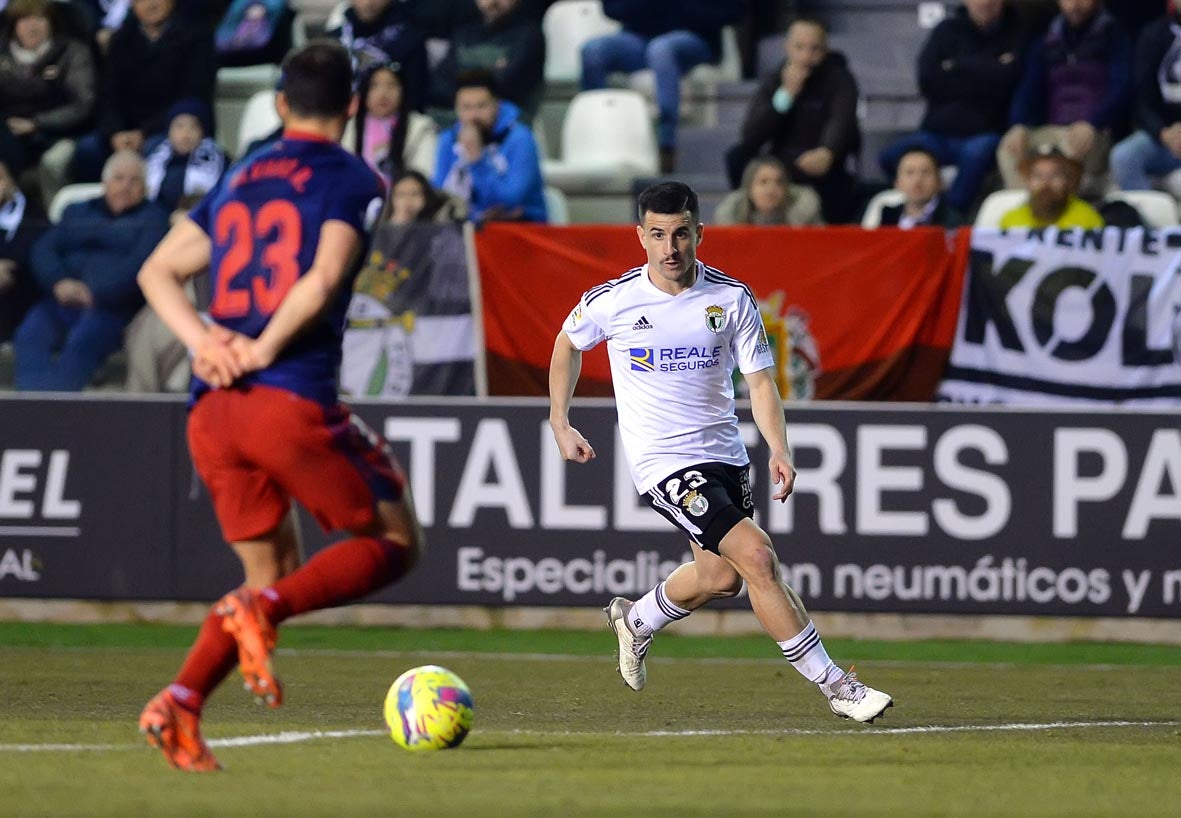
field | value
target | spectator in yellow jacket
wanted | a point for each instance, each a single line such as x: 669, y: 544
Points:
x: 1053, y: 180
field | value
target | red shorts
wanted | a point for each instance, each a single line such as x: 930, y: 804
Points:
x: 258, y: 448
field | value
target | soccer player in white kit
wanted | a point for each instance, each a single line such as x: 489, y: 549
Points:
x: 675, y: 330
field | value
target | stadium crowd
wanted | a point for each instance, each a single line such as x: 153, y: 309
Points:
x: 1071, y: 101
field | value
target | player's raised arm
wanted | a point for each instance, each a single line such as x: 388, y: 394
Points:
x: 767, y: 408
x: 336, y: 253
x: 564, y: 368
x: 183, y: 254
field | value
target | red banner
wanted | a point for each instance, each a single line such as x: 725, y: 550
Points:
x: 853, y: 314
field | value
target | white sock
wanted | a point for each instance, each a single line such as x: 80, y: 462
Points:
x: 806, y: 653
x: 654, y: 611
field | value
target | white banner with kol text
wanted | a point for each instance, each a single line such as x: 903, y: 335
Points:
x: 1069, y: 316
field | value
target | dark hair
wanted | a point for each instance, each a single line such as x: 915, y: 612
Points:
x: 934, y: 159
x: 393, y: 163
x: 30, y: 8
x: 809, y: 21
x: 478, y: 78
x: 318, y: 80
x: 668, y: 198
x: 432, y: 199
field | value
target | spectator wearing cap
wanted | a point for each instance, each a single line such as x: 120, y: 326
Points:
x: 1052, y: 178
x: 186, y: 163
x: 507, y: 41
x: 1076, y: 86
x: 85, y: 267
x: 1154, y: 150
x: 923, y: 204
x: 47, y: 84
x: 155, y: 59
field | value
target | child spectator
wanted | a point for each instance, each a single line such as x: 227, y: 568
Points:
x: 413, y: 199
x: 186, y: 162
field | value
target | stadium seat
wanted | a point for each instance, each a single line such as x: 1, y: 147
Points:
x: 258, y: 119
x: 299, y: 31
x: 72, y: 194
x: 314, y: 11
x: 996, y: 205
x: 873, y: 210
x: 607, y: 140
x: 568, y: 24
x: 336, y: 16
x: 556, y: 206
x: 1158, y: 208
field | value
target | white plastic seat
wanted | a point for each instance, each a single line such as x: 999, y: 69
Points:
x: 607, y: 140
x: 996, y: 205
x: 873, y: 210
x: 568, y: 24
x: 556, y: 206
x: 258, y: 119
x: 1158, y: 208
x: 336, y: 16
x: 72, y: 194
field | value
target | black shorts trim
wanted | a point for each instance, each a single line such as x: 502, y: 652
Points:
x: 705, y: 501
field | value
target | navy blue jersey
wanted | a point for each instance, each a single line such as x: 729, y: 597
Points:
x: 264, y: 219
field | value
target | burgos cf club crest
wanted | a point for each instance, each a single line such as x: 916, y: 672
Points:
x: 695, y: 503
x: 715, y: 319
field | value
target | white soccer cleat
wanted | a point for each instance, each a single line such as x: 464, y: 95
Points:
x: 632, y: 648
x: 854, y: 700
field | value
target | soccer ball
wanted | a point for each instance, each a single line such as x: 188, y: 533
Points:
x: 429, y: 708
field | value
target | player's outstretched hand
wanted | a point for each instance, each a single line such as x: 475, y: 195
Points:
x: 783, y: 474
x: 214, y: 361
x: 573, y: 445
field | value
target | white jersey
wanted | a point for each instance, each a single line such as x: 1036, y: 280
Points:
x: 672, y: 359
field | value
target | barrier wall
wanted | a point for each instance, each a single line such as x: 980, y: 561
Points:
x: 902, y: 509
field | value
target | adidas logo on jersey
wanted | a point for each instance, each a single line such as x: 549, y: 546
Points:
x: 642, y: 324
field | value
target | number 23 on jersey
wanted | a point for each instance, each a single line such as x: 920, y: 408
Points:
x: 277, y: 227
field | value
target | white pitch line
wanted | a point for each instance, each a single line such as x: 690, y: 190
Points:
x: 298, y: 737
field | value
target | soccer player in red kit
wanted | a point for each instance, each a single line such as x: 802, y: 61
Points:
x: 282, y: 236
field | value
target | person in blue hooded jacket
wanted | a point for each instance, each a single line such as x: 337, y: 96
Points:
x: 488, y: 158
x: 86, y: 267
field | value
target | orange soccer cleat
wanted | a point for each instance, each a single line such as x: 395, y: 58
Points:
x: 244, y: 619
x: 176, y: 732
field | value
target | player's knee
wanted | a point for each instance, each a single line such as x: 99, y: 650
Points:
x: 759, y: 564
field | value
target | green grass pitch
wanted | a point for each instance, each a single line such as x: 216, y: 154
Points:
x: 723, y: 729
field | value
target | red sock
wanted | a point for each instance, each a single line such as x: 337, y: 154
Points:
x: 213, y: 656
x: 337, y: 575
